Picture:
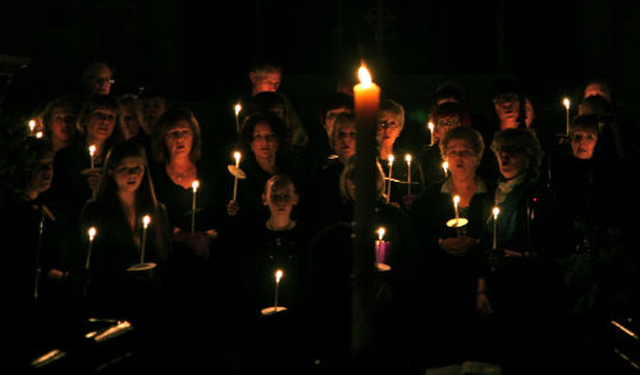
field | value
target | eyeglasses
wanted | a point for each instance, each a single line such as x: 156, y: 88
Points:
x: 448, y: 123
x: 388, y: 125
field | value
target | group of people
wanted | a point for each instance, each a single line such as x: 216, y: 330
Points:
x: 504, y: 252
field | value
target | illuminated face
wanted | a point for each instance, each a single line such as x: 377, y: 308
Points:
x: 507, y: 107
x: 265, y: 81
x: 280, y: 199
x: 129, y: 120
x: 128, y: 174
x: 42, y: 175
x: 583, y: 143
x: 389, y: 129
x: 101, y: 124
x: 330, y: 118
x: 179, y: 139
x: 461, y: 157
x: 265, y: 143
x: 512, y: 161
x: 100, y: 81
x: 345, y: 141
x: 63, y: 124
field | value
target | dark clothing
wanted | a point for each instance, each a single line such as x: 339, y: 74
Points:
x: 431, y: 162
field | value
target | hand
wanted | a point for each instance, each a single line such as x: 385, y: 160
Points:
x: 483, y: 306
x: 458, y: 245
x: 93, y: 179
x: 199, y: 242
x: 233, y: 208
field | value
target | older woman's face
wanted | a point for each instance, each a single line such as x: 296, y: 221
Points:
x: 389, y: 128
x: 446, y: 123
x: 100, y: 80
x: 265, y: 143
x: 179, y: 140
x: 512, y: 161
x: 462, y: 158
x: 101, y: 123
x: 583, y: 142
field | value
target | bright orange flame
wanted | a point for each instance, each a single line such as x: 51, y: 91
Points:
x: 456, y: 199
x: 279, y: 274
x: 92, y: 150
x: 407, y: 157
x: 92, y: 233
x: 364, y: 76
x: 237, y: 155
x: 566, y: 102
x: 391, y: 159
x: 431, y: 126
x: 146, y: 220
x: 381, y: 232
x: 195, y: 185
x: 238, y: 108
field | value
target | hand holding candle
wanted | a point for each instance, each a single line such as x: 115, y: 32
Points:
x: 195, y: 185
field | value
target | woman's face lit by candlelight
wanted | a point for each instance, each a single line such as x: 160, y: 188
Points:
x: 128, y: 174
x: 583, y: 142
x: 179, y: 140
x: 461, y: 158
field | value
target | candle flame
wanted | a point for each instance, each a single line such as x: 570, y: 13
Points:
x: 237, y: 108
x: 407, y: 157
x: 381, y: 232
x: 237, y: 155
x: 39, y: 135
x: 195, y: 185
x: 456, y: 199
x: 567, y: 103
x: 445, y: 166
x: 32, y: 124
x: 496, y: 211
x: 92, y: 233
x: 391, y: 159
x: 364, y: 76
x: 279, y: 275
x: 92, y: 150
x: 431, y: 126
x: 146, y: 220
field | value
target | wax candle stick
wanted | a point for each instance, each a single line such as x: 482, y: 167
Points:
x: 237, y: 110
x: 279, y: 275
x: 92, y: 152
x: 456, y: 200
x: 496, y: 211
x: 92, y: 233
x: 195, y: 185
x: 567, y: 105
x: 236, y: 155
x: 146, y: 220
x: 391, y: 159
x: 431, y: 129
x: 408, y: 159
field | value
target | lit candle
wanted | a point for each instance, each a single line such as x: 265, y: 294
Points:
x: 366, y: 97
x: 92, y: 233
x: 381, y: 232
x: 32, y: 126
x: 431, y: 129
x: 146, y: 220
x: 195, y: 185
x: 39, y: 135
x: 279, y: 274
x: 236, y: 155
x: 496, y: 211
x: 456, y: 200
x: 92, y: 152
x: 407, y: 157
x: 445, y: 167
x: 567, y: 105
x: 237, y: 109
x: 391, y: 159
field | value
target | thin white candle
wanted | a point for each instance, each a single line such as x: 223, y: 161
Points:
x: 431, y: 129
x: 408, y: 159
x: 146, y: 220
x: 195, y: 185
x: 237, y: 110
x: 391, y: 159
x: 92, y: 233
x: 236, y: 155
x: 92, y: 152
x: 279, y: 275
x: 496, y: 211
x: 456, y: 200
x: 567, y: 105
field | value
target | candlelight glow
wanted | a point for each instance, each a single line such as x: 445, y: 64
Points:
x: 32, y: 125
x: 238, y: 108
x: 407, y: 157
x: 92, y: 233
x: 92, y: 150
x: 365, y: 77
x: 567, y: 103
x: 381, y: 232
x: 496, y: 211
x: 195, y: 185
x: 456, y: 199
x: 391, y: 159
x: 445, y: 166
x: 237, y: 155
x: 39, y: 135
x: 146, y: 220
x: 279, y: 274
x: 431, y: 126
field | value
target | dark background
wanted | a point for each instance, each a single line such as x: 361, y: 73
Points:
x: 201, y: 54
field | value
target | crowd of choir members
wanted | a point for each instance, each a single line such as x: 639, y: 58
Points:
x: 527, y: 288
